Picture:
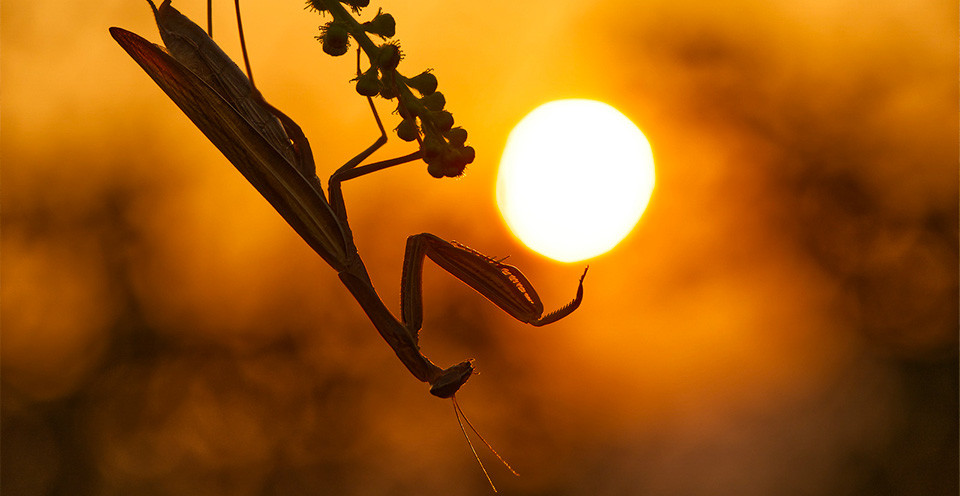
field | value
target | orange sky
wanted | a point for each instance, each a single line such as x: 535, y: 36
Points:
x: 751, y: 334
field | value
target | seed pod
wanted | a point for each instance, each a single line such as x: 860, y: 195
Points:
x: 335, y: 38
x: 434, y: 101
x: 456, y: 136
x: 382, y: 25
x: 408, y: 130
x: 368, y: 84
x: 425, y: 83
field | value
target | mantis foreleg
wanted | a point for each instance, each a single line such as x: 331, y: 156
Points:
x: 504, y: 285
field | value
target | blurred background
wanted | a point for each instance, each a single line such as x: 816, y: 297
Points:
x: 783, y: 320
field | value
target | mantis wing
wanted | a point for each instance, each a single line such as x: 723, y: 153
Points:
x: 278, y: 180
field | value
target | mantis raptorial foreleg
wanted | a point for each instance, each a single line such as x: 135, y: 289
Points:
x: 504, y: 285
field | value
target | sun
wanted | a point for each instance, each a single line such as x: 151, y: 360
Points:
x: 574, y: 179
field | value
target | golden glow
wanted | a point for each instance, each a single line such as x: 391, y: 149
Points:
x: 157, y: 305
x: 575, y: 177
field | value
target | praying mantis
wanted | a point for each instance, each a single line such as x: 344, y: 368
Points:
x: 271, y: 151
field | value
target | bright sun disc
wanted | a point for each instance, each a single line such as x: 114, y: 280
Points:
x: 575, y: 177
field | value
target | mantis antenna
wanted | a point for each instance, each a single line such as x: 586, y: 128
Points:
x: 459, y: 413
x: 243, y: 44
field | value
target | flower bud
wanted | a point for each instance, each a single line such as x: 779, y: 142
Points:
x: 318, y: 5
x: 408, y: 130
x: 456, y: 136
x: 368, y: 84
x: 452, y: 163
x: 434, y: 101
x: 382, y: 25
x: 432, y: 148
x: 335, y: 38
x: 468, y: 154
x: 443, y: 120
x: 425, y: 83
x: 389, y: 57
x: 435, y: 170
x: 454, y: 170
x: 388, y: 91
x: 404, y: 111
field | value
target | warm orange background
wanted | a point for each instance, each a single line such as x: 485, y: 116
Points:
x: 782, y: 321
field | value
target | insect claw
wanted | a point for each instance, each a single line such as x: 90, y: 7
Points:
x: 564, y: 310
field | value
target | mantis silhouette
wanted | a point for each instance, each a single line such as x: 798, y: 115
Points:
x: 273, y: 154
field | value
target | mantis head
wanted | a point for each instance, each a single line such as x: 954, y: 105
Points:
x: 451, y: 379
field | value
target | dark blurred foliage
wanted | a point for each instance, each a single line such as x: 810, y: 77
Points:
x: 784, y: 321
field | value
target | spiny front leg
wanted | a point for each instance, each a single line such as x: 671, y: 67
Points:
x: 504, y: 285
